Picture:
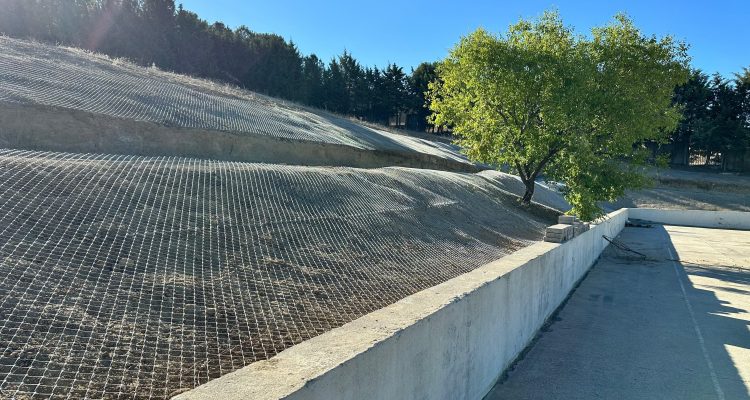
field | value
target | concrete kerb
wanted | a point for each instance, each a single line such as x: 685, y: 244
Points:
x: 695, y: 218
x: 451, y: 341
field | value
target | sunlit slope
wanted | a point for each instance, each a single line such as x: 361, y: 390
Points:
x: 51, y: 76
x: 141, y: 276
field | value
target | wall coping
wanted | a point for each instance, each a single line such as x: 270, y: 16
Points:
x: 307, y: 364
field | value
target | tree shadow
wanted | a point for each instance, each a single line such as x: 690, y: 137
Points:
x: 638, y: 327
x: 390, y: 141
x: 714, y: 318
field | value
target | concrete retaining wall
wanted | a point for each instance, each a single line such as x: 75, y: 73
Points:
x: 698, y: 218
x: 36, y: 127
x: 451, y: 341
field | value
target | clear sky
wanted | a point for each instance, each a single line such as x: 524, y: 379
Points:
x: 408, y: 32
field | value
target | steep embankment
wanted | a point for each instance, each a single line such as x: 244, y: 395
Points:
x: 142, y: 276
x: 55, y: 98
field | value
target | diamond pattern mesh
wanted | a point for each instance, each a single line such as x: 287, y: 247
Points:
x: 136, y: 277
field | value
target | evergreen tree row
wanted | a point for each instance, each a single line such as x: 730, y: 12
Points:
x: 158, y: 32
x: 716, y: 119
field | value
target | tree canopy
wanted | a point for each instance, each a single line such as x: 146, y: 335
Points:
x: 542, y: 100
x: 716, y: 116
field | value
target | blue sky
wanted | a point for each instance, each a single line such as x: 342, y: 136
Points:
x: 408, y: 32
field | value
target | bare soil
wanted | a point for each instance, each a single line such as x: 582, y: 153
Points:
x: 684, y: 189
x: 135, y: 277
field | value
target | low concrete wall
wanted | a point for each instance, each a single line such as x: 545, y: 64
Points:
x: 36, y: 127
x: 451, y: 341
x: 697, y: 218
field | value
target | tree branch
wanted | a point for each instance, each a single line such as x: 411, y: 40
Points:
x: 552, y: 152
x: 521, y: 172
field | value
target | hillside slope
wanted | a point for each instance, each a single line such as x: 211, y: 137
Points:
x: 140, y: 276
x: 52, y: 78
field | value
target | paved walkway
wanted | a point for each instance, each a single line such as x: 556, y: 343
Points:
x: 639, y: 329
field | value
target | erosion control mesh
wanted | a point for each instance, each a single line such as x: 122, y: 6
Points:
x: 133, y: 277
x: 33, y: 73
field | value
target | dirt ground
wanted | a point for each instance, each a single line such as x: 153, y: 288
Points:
x: 685, y: 189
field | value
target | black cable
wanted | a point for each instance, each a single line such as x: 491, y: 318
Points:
x: 622, y: 246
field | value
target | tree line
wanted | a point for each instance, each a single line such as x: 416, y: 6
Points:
x: 715, y: 121
x: 158, y: 32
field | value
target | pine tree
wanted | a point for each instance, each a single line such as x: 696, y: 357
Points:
x: 724, y: 131
x: 159, y: 19
x: 336, y: 95
x: 695, y: 98
x: 418, y: 81
x: 395, y: 91
x: 312, y: 81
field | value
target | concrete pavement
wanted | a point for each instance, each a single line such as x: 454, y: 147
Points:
x: 648, y: 329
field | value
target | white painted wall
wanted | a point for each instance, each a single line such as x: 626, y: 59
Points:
x: 698, y: 218
x: 451, y: 341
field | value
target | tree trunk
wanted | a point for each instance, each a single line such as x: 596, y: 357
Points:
x: 526, y: 200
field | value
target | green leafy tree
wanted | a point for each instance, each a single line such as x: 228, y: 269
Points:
x: 543, y: 100
x: 194, y: 51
